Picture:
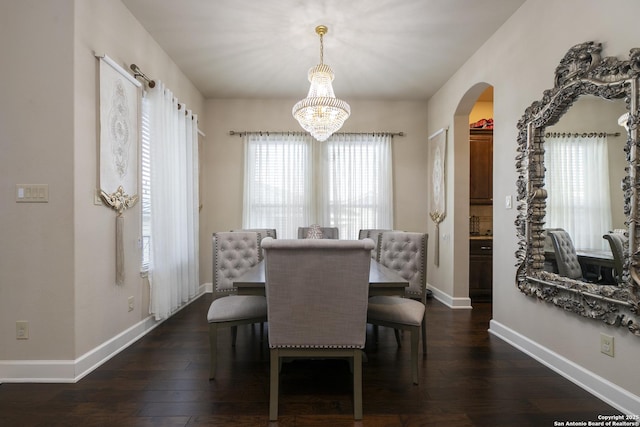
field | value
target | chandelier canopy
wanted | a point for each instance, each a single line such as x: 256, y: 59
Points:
x: 321, y: 113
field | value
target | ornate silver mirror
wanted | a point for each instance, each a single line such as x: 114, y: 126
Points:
x: 583, y: 75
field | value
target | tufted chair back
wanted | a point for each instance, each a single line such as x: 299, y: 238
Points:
x: 373, y: 234
x: 327, y: 232
x: 406, y: 253
x: 262, y: 233
x: 550, y: 264
x: 548, y: 243
x: 566, y: 256
x: 233, y: 254
x: 617, y: 241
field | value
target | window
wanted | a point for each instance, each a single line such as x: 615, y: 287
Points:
x: 278, y: 182
x: 577, y: 181
x: 169, y: 201
x: 291, y: 180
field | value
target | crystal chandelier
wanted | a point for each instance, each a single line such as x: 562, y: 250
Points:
x: 321, y: 113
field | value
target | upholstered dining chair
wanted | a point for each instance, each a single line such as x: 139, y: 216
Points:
x: 567, y: 258
x: 373, y: 234
x: 565, y: 254
x: 617, y: 241
x: 317, y: 293
x: 550, y: 265
x: 262, y: 233
x: 233, y: 254
x: 327, y: 232
x: 406, y: 253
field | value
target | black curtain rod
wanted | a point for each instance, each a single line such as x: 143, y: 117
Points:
x: 581, y: 134
x: 261, y: 132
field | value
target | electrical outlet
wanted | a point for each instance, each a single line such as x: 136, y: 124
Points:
x: 131, y: 303
x: 606, y: 344
x: 22, y: 330
x: 97, y: 199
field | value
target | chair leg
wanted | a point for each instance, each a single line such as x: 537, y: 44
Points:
x: 357, y: 384
x: 213, y: 348
x: 424, y: 334
x: 234, y: 334
x: 414, y: 353
x: 273, y: 388
x: 398, y: 337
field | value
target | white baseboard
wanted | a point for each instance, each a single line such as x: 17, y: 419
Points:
x: 621, y: 399
x: 449, y: 301
x: 71, y: 371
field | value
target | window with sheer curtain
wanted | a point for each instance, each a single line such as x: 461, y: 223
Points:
x: 145, y: 177
x: 577, y: 182
x: 292, y: 180
x: 169, y: 201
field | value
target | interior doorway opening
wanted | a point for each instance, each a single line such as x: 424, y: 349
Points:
x: 481, y: 126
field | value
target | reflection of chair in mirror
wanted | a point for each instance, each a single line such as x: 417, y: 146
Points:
x: 550, y: 264
x: 617, y: 242
x: 317, y: 291
x: 566, y: 256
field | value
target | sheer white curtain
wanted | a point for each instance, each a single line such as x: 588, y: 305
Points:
x: 356, y: 183
x: 291, y: 180
x: 577, y: 181
x: 278, y: 182
x: 173, y: 267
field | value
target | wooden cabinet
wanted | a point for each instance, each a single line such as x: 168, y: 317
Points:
x: 481, y: 166
x: 480, y: 269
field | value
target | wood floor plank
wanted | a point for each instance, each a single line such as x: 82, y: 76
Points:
x: 468, y: 378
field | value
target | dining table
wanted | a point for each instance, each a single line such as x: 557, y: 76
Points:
x: 382, y: 280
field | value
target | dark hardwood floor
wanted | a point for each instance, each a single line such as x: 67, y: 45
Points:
x: 468, y: 378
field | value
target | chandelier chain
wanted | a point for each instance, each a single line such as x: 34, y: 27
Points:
x: 321, y: 50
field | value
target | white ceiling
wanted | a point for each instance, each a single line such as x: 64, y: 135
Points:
x: 378, y: 49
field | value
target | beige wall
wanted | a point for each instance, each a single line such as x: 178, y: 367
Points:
x: 57, y: 259
x: 481, y: 110
x: 101, y: 306
x: 222, y: 158
x: 519, y: 61
x: 37, y: 138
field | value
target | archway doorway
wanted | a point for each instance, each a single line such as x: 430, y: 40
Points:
x: 462, y: 206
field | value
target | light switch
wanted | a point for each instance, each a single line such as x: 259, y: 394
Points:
x: 507, y: 202
x: 32, y: 193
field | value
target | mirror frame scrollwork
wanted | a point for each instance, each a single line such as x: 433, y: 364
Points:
x: 582, y: 71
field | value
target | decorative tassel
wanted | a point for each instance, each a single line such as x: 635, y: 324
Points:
x: 119, y: 250
x: 119, y: 202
